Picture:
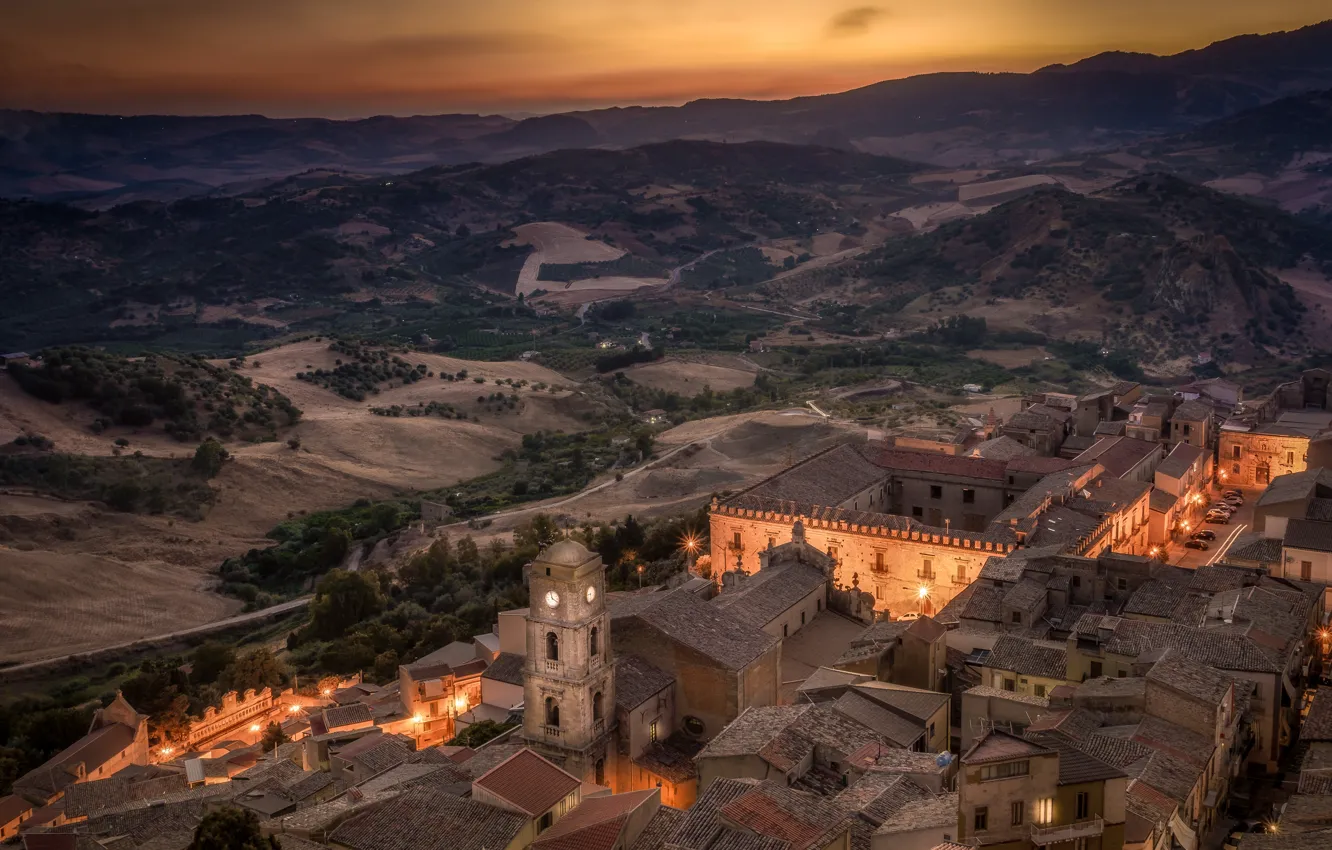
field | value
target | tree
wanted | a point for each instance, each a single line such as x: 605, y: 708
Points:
x: 342, y: 600
x: 231, y: 829
x: 173, y: 723
x: 274, y: 737
x: 256, y: 669
x: 479, y: 733
x: 210, y: 659
x: 209, y: 457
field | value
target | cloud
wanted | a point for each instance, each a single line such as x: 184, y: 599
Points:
x: 855, y: 21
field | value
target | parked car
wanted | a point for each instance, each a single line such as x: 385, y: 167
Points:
x: 910, y: 615
x: 1235, y: 501
x: 1196, y: 544
x: 1232, y: 492
x: 1218, y: 519
x: 1203, y: 535
x: 1221, y: 508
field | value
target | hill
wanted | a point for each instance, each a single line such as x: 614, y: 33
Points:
x: 948, y: 119
x: 1195, y: 266
x: 327, y: 251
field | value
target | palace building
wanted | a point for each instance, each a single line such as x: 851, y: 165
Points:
x: 914, y: 528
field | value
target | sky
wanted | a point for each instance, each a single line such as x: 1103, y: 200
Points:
x: 349, y: 58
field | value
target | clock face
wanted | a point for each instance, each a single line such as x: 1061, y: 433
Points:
x: 591, y: 593
x: 552, y: 599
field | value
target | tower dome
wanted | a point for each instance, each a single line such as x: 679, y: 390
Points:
x: 566, y: 553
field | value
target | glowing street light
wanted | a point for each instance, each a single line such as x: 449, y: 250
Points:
x: 166, y: 751
x: 640, y: 576
x: 293, y: 708
x: 923, y: 591
x: 328, y: 692
x: 255, y: 727
x: 418, y: 719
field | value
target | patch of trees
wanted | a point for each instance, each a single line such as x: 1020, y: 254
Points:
x: 367, y: 367
x: 189, y: 396
x: 961, y: 331
x: 738, y: 267
x: 623, y: 359
x: 434, y: 408
x: 136, y: 484
x: 627, y: 265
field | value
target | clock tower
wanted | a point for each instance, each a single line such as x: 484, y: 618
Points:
x: 569, y: 680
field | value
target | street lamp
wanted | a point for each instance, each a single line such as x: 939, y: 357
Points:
x: 640, y: 576
x: 922, y: 593
x: 255, y: 727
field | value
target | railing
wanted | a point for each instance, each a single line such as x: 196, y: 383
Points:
x: 961, y: 578
x: 598, y: 727
x: 928, y: 575
x: 553, y: 666
x: 551, y: 731
x: 1043, y: 835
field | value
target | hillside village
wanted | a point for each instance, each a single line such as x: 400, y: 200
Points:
x: 1101, y: 623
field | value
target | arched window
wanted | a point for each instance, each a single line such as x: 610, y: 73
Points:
x: 552, y: 646
x: 592, y: 641
x: 601, y: 772
x: 552, y: 712
x: 596, y: 706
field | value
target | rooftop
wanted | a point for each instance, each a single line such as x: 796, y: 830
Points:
x: 932, y: 812
x: 596, y: 824
x: 1119, y: 455
x: 1176, y: 671
x: 1309, y: 535
x: 1028, y: 658
x: 1181, y: 458
x: 996, y: 745
x: 699, y: 625
x: 770, y: 592
x: 637, y: 681
x: 507, y: 667
x: 1318, y: 724
x: 429, y: 819
x: 529, y: 782
x: 827, y: 478
x: 1076, y: 766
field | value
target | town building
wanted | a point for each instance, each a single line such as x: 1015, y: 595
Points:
x: 116, y: 739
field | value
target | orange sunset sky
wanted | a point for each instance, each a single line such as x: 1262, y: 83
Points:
x: 351, y: 57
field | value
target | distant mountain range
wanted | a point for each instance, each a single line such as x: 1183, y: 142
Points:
x: 948, y: 119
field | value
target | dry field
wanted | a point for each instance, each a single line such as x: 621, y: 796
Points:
x: 929, y: 216
x: 688, y: 378
x: 978, y: 192
x: 1009, y: 358
x: 134, y: 576
x: 1315, y: 290
x: 556, y: 243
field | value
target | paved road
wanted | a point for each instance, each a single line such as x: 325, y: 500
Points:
x: 1226, y: 535
x: 207, y: 628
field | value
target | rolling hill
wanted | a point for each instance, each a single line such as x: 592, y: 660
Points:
x: 948, y: 119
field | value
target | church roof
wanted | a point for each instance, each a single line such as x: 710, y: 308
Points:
x: 698, y: 625
x: 529, y: 782
x: 637, y: 681
x: 566, y: 553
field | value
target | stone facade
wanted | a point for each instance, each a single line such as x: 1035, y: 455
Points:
x: 569, y: 681
x: 1254, y: 458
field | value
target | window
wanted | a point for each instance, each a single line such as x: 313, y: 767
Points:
x: 1043, y: 811
x: 652, y: 732
x: 735, y: 540
x: 968, y: 496
x: 552, y: 712
x: 1077, y: 581
x: 693, y: 726
x: 982, y: 819
x: 1007, y: 770
x: 1083, y: 805
x: 931, y: 735
x: 802, y: 618
x: 552, y: 646
x: 1010, y: 685
x: 596, y: 706
x: 832, y: 552
x: 962, y: 573
x: 1306, y: 570
x: 936, y: 492
x: 784, y: 630
x: 1185, y: 428
x: 1122, y: 583
x: 1095, y: 669
x: 1235, y: 469
x: 878, y: 592
x: 592, y: 647
x: 772, y: 541
x: 1015, y: 812
x: 544, y: 823
x: 1017, y: 617
x: 1040, y: 690
x: 1234, y: 452
x: 818, y: 604
x: 927, y: 568
x: 1290, y: 458
x: 917, y: 511
x: 878, y: 561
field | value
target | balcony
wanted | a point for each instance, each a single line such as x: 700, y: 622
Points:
x: 1043, y: 835
x: 553, y: 666
x: 925, y: 575
x: 551, y: 732
x: 598, y: 727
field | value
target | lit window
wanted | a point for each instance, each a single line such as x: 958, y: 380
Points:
x: 1043, y: 811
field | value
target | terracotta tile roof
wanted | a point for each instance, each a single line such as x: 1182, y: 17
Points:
x: 637, y: 681
x: 659, y: 829
x: 1119, y: 455
x: 86, y: 798
x: 596, y: 824
x: 699, y: 625
x: 429, y: 819
x: 700, y: 829
x: 1173, y: 777
x: 1076, y: 766
x: 1215, y: 648
x: 507, y: 667
x: 1013, y: 696
x: 933, y: 811
x: 1176, y: 671
x: 529, y: 782
x: 92, y: 751
x: 986, y: 603
x: 487, y: 757
x: 869, y: 713
x: 1317, y: 725
x: 1264, y: 550
x: 1149, y: 804
x: 672, y: 759
x: 878, y: 795
x: 13, y: 807
x: 937, y: 464
x: 770, y: 592
x: 1001, y: 448
x: 827, y: 478
x: 347, y: 715
x: 996, y: 745
x: 907, y: 701
x: 388, y: 751
x: 1180, y: 460
x: 776, y: 811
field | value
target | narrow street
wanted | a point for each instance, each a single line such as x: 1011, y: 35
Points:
x: 1240, y: 525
